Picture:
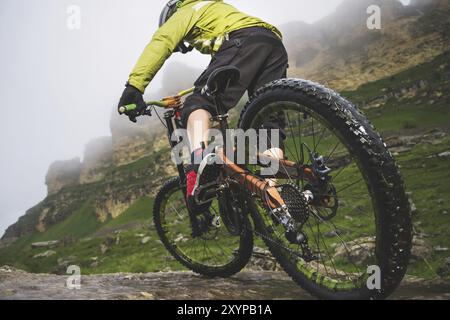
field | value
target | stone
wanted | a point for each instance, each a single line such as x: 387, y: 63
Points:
x: 45, y: 244
x: 45, y: 254
x: 145, y: 240
x: 147, y: 296
x: 332, y: 233
x: 358, y: 250
x: 440, y: 249
x: 412, y: 205
x: 420, y: 249
x: 180, y: 238
x: 7, y: 269
x: 262, y: 260
x: 361, y: 249
x: 444, y: 154
x: 104, y: 248
x: 65, y: 262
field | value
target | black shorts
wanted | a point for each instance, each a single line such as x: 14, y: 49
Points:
x: 260, y: 56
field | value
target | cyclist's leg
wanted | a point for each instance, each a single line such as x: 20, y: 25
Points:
x: 275, y: 67
x: 198, y: 126
x: 257, y: 61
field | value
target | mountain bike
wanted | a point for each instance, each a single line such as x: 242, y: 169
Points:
x: 337, y: 218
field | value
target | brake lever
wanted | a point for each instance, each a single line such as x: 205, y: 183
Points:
x: 148, y: 111
x: 132, y: 118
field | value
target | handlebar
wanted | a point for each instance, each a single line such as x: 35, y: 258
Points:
x: 168, y: 102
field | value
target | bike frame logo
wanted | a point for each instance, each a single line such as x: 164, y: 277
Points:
x: 242, y: 147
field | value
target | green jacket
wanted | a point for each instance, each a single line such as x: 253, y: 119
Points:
x: 203, y: 24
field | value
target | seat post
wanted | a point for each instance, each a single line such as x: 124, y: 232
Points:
x: 221, y: 117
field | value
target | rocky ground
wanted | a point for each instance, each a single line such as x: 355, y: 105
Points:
x: 251, y: 285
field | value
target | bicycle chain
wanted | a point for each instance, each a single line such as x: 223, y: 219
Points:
x: 292, y: 252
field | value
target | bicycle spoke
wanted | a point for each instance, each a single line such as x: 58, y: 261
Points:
x: 332, y: 235
x: 320, y: 138
x: 332, y: 151
x: 350, y: 185
x: 293, y: 136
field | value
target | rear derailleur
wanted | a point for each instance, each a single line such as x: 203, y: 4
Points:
x: 293, y: 216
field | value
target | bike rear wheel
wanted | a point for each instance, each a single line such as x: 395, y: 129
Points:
x: 363, y: 217
x: 217, y: 252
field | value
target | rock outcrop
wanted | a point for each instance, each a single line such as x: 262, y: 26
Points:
x: 98, y: 157
x: 62, y: 174
x: 341, y: 52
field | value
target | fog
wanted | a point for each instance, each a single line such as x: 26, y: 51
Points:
x: 58, y: 86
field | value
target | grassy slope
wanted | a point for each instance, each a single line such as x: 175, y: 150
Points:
x: 426, y: 178
x: 426, y: 175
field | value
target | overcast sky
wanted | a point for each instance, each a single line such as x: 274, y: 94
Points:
x: 58, y: 86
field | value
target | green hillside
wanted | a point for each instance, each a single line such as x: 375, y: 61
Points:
x: 411, y: 109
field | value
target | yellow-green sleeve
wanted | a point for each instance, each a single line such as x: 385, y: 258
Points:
x: 163, y: 43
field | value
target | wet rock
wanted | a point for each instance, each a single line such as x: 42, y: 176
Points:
x: 7, y: 269
x: 45, y: 254
x: 45, y: 244
x: 361, y: 249
x: 420, y: 248
x: 358, y: 250
x: 247, y: 285
x: 262, y: 260
x: 147, y: 296
x: 444, y: 154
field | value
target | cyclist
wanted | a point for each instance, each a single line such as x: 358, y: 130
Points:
x: 232, y: 38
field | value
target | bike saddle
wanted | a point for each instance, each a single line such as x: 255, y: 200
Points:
x: 221, y: 79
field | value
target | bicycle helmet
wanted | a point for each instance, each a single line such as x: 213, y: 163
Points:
x: 169, y: 9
